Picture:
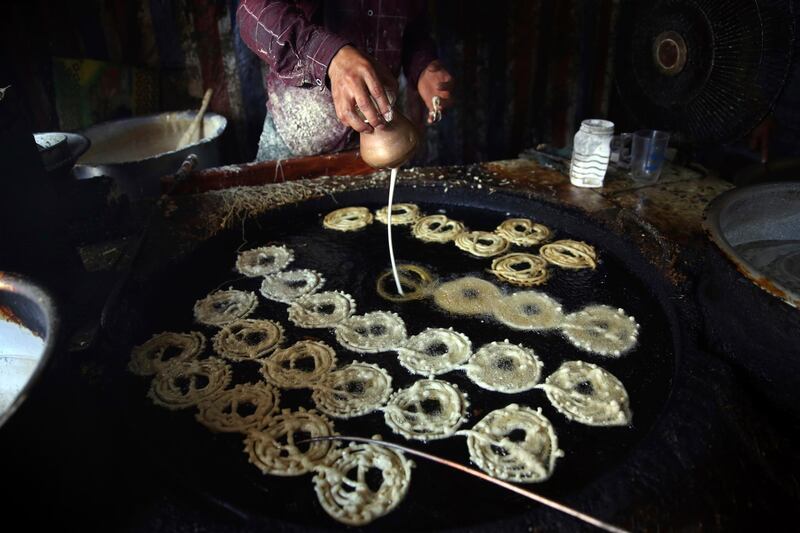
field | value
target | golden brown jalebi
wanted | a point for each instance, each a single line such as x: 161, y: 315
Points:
x: 417, y: 283
x: 481, y: 243
x: 437, y: 228
x: 524, y: 270
x: 570, y: 254
x: 348, y: 219
x: 523, y: 231
x: 402, y: 214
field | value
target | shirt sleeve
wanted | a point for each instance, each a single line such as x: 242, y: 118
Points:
x: 419, y: 49
x: 297, y: 51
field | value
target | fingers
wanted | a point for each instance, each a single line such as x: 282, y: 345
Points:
x: 435, y: 80
x: 353, y: 120
x: 381, y: 98
x: 351, y: 97
x: 447, y: 99
x: 369, y: 91
x: 445, y: 79
x: 367, y: 107
x: 359, y: 87
x: 346, y: 113
x: 445, y: 87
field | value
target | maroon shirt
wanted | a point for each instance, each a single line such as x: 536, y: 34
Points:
x: 298, y: 40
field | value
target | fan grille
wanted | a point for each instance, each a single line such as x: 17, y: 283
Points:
x: 737, y: 56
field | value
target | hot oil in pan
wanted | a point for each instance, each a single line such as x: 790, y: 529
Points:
x: 351, y: 262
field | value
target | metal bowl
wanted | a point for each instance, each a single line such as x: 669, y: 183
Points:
x: 137, y: 151
x: 28, y: 330
x: 758, y: 229
x: 60, y: 150
x: 750, y: 293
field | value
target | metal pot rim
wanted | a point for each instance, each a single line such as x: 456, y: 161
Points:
x: 220, y: 119
x: 713, y: 229
x: 16, y: 283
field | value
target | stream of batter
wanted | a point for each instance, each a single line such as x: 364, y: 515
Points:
x: 392, y: 181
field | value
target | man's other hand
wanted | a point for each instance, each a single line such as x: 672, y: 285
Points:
x: 435, y: 81
x: 355, y: 82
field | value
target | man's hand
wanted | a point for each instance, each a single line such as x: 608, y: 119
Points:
x: 435, y: 81
x: 354, y: 79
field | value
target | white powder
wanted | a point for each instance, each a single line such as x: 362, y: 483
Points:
x: 305, y: 119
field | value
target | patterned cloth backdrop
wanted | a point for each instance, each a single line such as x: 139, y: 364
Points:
x: 527, y: 71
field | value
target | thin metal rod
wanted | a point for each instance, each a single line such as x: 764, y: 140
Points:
x: 513, y: 488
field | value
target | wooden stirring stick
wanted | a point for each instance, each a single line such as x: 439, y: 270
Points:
x: 188, y: 135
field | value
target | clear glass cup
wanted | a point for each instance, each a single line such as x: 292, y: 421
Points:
x: 648, y: 152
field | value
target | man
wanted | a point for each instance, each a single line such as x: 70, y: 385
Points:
x: 332, y: 63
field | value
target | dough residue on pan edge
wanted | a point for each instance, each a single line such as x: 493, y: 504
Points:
x: 571, y: 254
x: 342, y: 485
x: 221, y: 307
x: 378, y: 331
x: 602, y: 330
x: 182, y: 384
x: 467, y: 296
x: 429, y: 409
x: 244, y: 407
x: 434, y: 351
x: 524, y: 270
x: 321, y: 310
x: 402, y: 214
x: 514, y: 444
x: 353, y: 390
x: 523, y: 231
x: 150, y: 356
x: 274, y: 449
x: 264, y: 260
x: 504, y: 367
x: 348, y: 219
x: 481, y: 243
x: 588, y: 394
x: 529, y: 310
x: 247, y: 339
x: 289, y: 285
x: 299, y: 366
x: 436, y: 228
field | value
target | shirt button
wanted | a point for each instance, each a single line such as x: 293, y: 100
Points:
x: 370, y: 13
x: 369, y: 50
x: 319, y: 81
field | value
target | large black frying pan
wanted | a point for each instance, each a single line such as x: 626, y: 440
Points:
x: 603, y: 468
